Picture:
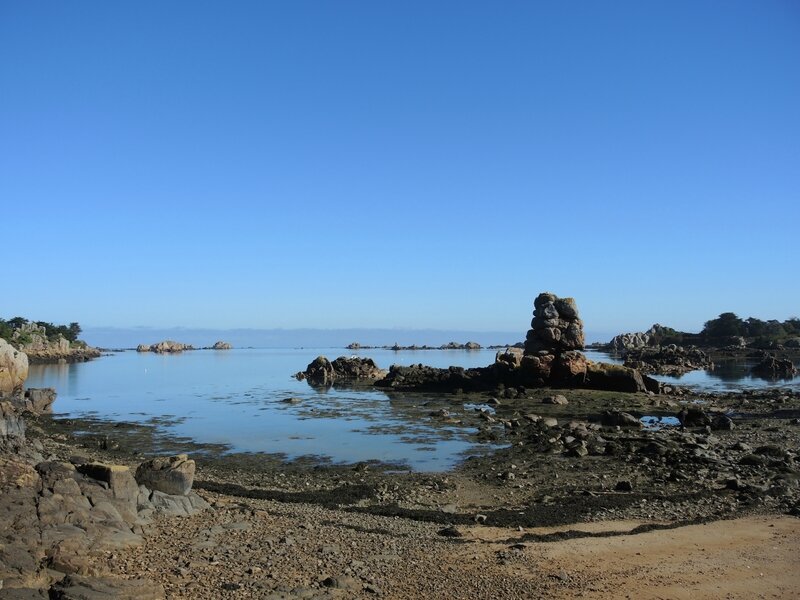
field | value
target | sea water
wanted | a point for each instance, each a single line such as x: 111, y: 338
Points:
x: 240, y: 399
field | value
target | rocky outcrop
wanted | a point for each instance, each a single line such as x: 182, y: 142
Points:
x: 32, y: 339
x: 169, y: 475
x: 35, y: 401
x: 222, y: 346
x: 667, y: 360
x: 423, y: 378
x: 165, y: 347
x: 321, y: 371
x: 629, y: 341
x: 13, y: 368
x: 556, y: 326
x: 12, y: 424
x: 550, y: 356
x: 772, y: 367
x: 57, y: 515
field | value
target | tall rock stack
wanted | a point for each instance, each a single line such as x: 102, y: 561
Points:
x: 553, y: 344
x: 556, y: 327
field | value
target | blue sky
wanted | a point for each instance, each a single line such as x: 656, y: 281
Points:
x: 407, y: 164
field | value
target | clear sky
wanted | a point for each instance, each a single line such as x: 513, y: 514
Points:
x: 399, y: 164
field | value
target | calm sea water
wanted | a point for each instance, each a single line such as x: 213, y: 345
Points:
x: 238, y: 398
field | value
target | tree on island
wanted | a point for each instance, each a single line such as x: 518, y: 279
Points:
x: 730, y: 325
x: 52, y: 332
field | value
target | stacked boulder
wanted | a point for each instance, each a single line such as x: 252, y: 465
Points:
x: 553, y: 343
x: 556, y: 326
x: 552, y: 353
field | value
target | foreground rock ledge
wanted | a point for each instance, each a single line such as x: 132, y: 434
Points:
x: 56, y: 516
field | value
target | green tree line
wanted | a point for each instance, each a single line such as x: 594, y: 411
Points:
x: 70, y: 332
x: 729, y: 324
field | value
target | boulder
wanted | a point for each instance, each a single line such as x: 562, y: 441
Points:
x: 557, y: 399
x: 570, y: 367
x: 616, y: 418
x: 321, y: 371
x: 119, y: 478
x: 13, y: 368
x: 693, y: 416
x: 176, y: 505
x: 510, y: 357
x: 617, y: 378
x: 11, y: 424
x: 221, y: 346
x: 38, y: 401
x: 170, y: 475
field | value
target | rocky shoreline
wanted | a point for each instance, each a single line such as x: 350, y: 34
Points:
x: 567, y: 457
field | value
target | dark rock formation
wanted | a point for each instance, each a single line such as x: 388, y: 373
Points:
x: 555, y: 327
x: 222, y: 346
x: 321, y: 371
x: 772, y: 367
x: 667, y: 360
x: 424, y: 378
x: 550, y: 356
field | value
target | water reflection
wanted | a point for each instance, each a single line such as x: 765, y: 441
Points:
x: 238, y: 398
x: 61, y: 376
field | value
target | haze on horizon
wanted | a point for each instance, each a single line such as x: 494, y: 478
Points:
x: 426, y: 166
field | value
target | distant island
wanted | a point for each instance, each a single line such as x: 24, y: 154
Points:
x: 398, y: 347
